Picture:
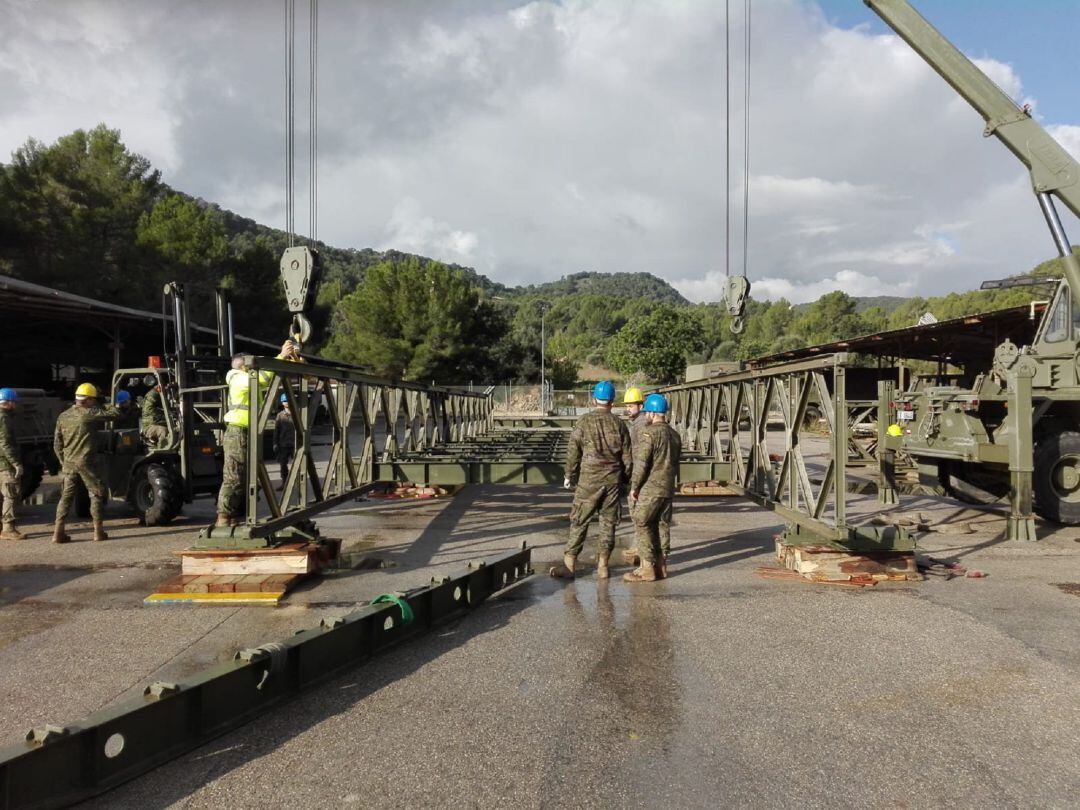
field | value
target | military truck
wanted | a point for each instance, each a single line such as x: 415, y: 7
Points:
x: 970, y: 436
x: 33, y: 423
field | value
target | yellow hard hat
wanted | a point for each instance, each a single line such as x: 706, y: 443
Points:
x: 86, y: 390
x: 633, y: 395
x: 894, y: 430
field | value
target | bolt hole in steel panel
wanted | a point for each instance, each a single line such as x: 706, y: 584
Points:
x: 114, y: 746
x: 118, y: 743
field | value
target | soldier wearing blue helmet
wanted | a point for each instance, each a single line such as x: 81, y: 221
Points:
x: 11, y: 469
x: 597, y: 461
x: 652, y: 488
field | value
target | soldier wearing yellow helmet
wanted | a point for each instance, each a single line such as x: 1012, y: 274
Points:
x: 73, y: 442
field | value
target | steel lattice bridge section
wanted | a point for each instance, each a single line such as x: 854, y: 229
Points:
x: 354, y: 431
x: 756, y: 422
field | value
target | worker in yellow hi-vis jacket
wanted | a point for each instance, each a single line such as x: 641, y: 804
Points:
x: 233, y: 475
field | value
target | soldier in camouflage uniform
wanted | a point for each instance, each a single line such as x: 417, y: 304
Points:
x: 230, y: 504
x: 652, y: 487
x: 152, y: 423
x: 633, y: 399
x: 73, y: 443
x: 598, y: 460
x: 11, y: 469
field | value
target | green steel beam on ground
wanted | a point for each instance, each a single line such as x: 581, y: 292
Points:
x: 61, y: 765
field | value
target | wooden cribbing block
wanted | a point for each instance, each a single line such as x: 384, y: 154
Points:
x: 294, y: 558
x: 252, y: 583
x: 828, y: 564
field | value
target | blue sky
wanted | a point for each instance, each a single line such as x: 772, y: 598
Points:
x: 1038, y: 38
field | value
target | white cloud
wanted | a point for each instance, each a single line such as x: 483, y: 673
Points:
x: 534, y: 139
x: 412, y: 231
x: 710, y: 288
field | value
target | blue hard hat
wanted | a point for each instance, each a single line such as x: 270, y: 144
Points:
x: 123, y: 397
x: 283, y: 399
x: 9, y: 395
x: 604, y: 391
x: 655, y: 403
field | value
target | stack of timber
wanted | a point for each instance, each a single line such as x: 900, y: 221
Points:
x: 702, y: 488
x: 243, y: 576
x: 830, y: 565
x: 407, y: 489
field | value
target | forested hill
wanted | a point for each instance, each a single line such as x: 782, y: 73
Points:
x: 88, y: 216
x: 612, y: 285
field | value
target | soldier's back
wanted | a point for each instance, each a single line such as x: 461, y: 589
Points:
x: 665, y: 449
x: 76, y: 427
x: 602, y: 437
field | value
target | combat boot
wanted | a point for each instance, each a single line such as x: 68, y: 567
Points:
x: 99, y: 532
x: 59, y: 535
x: 630, y: 556
x: 646, y: 572
x: 223, y: 522
x: 602, y: 570
x: 566, y: 570
x: 661, y: 567
x: 11, y: 533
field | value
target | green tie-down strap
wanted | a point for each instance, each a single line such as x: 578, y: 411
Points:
x: 406, y: 609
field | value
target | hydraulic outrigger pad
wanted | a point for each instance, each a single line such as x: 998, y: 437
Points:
x: 736, y: 291
x: 300, y: 268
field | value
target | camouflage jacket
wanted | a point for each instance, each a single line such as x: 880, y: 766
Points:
x: 599, y: 452
x: 9, y: 450
x: 73, y: 440
x: 656, y: 461
x: 635, y: 425
x: 152, y: 412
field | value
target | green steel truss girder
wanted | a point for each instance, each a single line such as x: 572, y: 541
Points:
x: 394, y: 417
x: 727, y: 419
x: 61, y: 765
x: 448, y: 472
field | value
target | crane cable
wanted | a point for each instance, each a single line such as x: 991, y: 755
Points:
x: 290, y: 121
x: 313, y: 123
x: 290, y: 68
x: 746, y: 150
x: 736, y: 290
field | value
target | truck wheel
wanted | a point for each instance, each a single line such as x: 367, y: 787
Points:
x: 157, y: 494
x: 1057, y: 478
x: 31, y: 479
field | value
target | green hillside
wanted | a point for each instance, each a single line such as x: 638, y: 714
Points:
x: 86, y: 215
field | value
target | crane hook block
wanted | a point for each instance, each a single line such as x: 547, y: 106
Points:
x: 736, y: 291
x: 300, y: 270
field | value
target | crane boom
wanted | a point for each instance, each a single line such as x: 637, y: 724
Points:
x: 1053, y: 170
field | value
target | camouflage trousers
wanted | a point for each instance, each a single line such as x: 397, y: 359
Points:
x: 92, y: 476
x: 158, y: 434
x: 233, y: 474
x: 10, y: 493
x: 605, y: 500
x: 647, y: 516
x: 663, y: 527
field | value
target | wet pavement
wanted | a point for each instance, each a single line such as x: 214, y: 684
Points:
x: 712, y: 688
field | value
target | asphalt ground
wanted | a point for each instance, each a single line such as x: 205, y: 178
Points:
x: 714, y: 687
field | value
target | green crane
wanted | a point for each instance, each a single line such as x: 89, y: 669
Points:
x: 1016, y: 429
